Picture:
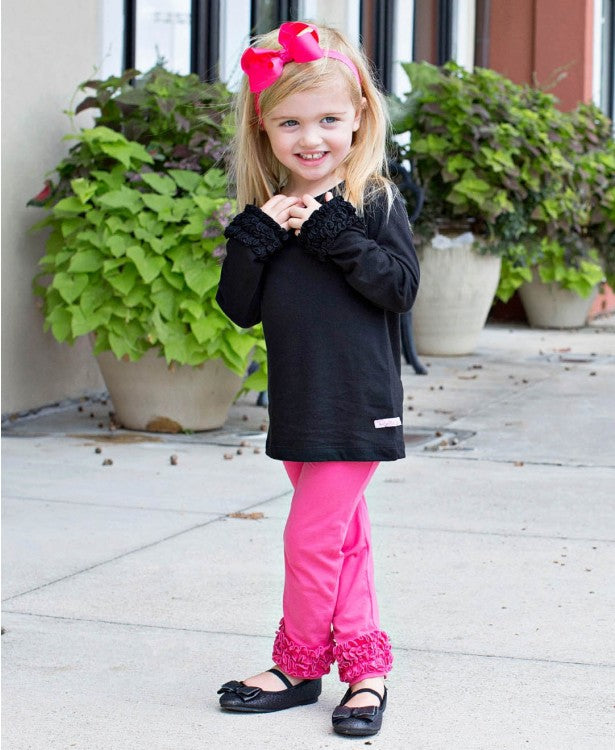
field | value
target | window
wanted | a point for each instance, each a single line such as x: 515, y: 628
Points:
x: 463, y: 32
x: 340, y: 14
x: 208, y: 36
x: 604, y: 56
x: 445, y: 30
x: 160, y: 30
x: 183, y: 33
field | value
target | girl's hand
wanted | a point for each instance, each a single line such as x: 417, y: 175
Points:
x: 278, y: 208
x: 303, y: 210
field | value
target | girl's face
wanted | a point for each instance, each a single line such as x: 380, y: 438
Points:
x: 311, y: 134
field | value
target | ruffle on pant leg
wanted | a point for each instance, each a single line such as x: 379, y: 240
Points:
x: 368, y: 654
x: 298, y: 660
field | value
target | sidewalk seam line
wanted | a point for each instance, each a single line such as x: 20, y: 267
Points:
x: 405, y: 649
x: 218, y: 517
x: 83, y: 503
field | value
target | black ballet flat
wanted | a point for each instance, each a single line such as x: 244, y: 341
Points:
x: 360, y: 721
x: 236, y: 696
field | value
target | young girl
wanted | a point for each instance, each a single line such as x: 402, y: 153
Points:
x: 322, y: 254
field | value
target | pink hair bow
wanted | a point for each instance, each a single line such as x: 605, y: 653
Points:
x: 299, y: 44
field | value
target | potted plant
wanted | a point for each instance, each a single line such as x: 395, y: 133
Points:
x: 560, y: 242
x: 137, y: 212
x: 465, y: 154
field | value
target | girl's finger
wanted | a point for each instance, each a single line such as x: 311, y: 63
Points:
x: 278, y: 202
x: 310, y: 202
x: 328, y: 196
x: 277, y: 208
x: 296, y: 211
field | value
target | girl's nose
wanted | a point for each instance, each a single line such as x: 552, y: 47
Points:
x: 310, y: 138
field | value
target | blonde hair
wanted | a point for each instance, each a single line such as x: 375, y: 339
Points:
x: 257, y: 173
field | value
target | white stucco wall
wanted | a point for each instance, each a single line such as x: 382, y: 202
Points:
x: 48, y: 47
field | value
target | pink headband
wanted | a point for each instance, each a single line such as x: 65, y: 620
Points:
x: 299, y: 44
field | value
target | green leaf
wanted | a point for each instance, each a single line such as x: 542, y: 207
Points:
x: 176, y: 280
x: 472, y: 187
x: 138, y: 297
x: 60, y: 321
x: 89, y: 236
x: 123, y: 347
x: 125, y: 198
x: 70, y: 286
x: 83, y: 322
x: 207, y: 204
x: 148, y: 265
x: 186, y: 179
x: 457, y: 162
x: 215, y: 179
x: 117, y: 224
x: 70, y: 225
x: 193, y: 307
x: 124, y: 280
x: 160, y: 183
x: 113, y: 180
x: 100, y: 134
x: 242, y: 343
x: 200, y: 277
x: 68, y: 206
x: 126, y: 152
x: 92, y: 298
x: 257, y: 381
x: 157, y: 203
x: 202, y: 330
x: 118, y: 244
x: 83, y: 189
x: 165, y: 301
x: 195, y: 226
x: 86, y: 261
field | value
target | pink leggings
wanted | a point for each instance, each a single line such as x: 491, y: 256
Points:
x: 330, y: 608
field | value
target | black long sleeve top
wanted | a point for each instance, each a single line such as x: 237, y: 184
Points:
x: 329, y: 300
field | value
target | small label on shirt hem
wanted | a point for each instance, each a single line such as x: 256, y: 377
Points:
x: 389, y: 422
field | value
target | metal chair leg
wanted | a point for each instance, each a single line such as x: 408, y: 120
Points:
x: 407, y: 345
x: 263, y: 397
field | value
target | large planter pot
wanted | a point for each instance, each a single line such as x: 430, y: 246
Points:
x: 456, y: 291
x: 550, y: 306
x: 150, y: 395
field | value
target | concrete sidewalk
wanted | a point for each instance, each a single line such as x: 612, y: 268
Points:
x: 130, y: 595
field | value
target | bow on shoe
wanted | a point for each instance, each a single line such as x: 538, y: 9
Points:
x: 245, y: 692
x: 342, y: 713
x: 264, y: 66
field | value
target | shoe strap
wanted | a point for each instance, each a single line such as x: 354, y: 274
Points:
x: 365, y: 690
x: 281, y: 676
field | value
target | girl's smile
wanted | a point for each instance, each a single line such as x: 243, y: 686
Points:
x: 311, y: 134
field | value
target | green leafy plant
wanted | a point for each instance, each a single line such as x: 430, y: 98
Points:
x: 551, y: 261
x: 137, y: 212
x: 536, y: 182
x: 565, y: 227
x: 474, y: 145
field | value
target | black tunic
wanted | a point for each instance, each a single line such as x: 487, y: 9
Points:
x: 329, y: 301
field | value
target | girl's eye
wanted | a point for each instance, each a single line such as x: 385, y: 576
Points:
x: 289, y: 123
x: 329, y: 120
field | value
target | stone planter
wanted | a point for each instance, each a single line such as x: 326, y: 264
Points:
x: 455, y: 294
x: 550, y: 306
x: 148, y: 395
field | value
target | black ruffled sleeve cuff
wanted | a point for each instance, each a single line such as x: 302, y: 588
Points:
x: 324, y: 225
x: 257, y: 231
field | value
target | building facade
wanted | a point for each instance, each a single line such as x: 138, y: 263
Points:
x: 566, y: 45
